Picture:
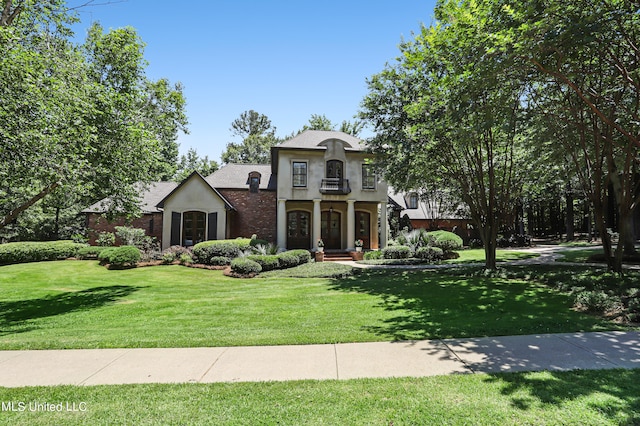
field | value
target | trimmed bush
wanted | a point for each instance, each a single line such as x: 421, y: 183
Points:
x: 205, y: 250
x: 173, y: 253
x: 257, y: 242
x: 447, y: 241
x: 90, y: 252
x: 120, y: 257
x: 396, y: 252
x: 33, y: 251
x: 267, y: 262
x: 106, y: 239
x: 219, y: 261
x: 303, y: 256
x: 430, y: 254
x: 287, y: 259
x: 245, y: 266
x: 375, y: 254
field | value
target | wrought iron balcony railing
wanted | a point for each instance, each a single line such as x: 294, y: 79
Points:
x: 335, y: 186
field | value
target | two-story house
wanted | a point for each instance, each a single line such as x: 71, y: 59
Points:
x: 319, y: 185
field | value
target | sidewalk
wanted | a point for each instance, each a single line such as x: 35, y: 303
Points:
x: 565, y: 351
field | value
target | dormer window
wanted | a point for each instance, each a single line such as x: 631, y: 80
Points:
x: 413, y: 200
x: 254, y: 181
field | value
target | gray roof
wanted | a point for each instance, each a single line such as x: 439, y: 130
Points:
x: 311, y: 139
x: 236, y: 176
x: 427, y: 209
x: 150, y: 197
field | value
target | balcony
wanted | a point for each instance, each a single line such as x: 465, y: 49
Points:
x: 335, y: 186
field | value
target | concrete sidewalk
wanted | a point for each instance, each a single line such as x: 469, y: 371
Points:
x: 566, y: 351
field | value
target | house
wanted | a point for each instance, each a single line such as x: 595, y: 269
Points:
x: 431, y: 211
x: 319, y: 185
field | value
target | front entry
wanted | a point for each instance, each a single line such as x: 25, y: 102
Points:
x: 330, y: 230
x: 363, y: 227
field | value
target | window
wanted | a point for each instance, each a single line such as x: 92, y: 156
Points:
x: 368, y: 177
x: 413, y: 201
x: 193, y: 225
x: 299, y: 174
x: 254, y: 183
x: 335, y: 169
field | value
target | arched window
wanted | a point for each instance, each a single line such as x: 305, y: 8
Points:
x: 335, y: 169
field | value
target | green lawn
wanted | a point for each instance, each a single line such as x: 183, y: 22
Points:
x: 79, y: 304
x: 608, y: 397
x: 477, y: 256
x: 578, y: 255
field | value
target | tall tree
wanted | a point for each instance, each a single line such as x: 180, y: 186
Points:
x: 321, y: 122
x: 75, y: 120
x: 590, y: 50
x: 258, y: 136
x: 447, y: 114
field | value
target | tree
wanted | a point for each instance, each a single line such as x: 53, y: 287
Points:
x: 321, y: 122
x: 447, y: 115
x: 193, y: 162
x: 590, y: 51
x: 75, y: 120
x: 258, y: 136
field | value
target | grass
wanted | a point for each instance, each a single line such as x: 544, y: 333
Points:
x: 578, y: 255
x: 607, y: 397
x: 466, y: 256
x: 79, y: 304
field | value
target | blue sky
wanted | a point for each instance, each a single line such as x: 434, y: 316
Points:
x: 284, y: 59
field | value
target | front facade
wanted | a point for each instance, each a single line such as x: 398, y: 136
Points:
x: 328, y: 191
x: 319, y: 186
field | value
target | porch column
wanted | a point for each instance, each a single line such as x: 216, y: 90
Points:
x: 383, y: 226
x: 351, y: 224
x: 315, y: 234
x: 282, y: 223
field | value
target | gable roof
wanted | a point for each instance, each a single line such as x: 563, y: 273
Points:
x: 236, y: 176
x: 149, y: 198
x: 427, y: 209
x: 312, y: 139
x: 195, y: 175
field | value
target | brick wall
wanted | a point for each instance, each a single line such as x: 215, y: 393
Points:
x: 256, y: 213
x: 151, y: 223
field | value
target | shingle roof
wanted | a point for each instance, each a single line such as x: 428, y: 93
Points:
x: 149, y: 198
x: 236, y: 176
x: 310, y: 139
x: 196, y: 175
x: 431, y: 209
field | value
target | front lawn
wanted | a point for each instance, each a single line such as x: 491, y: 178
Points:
x: 79, y: 304
x: 606, y: 397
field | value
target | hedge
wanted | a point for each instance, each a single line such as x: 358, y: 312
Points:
x: 36, y: 251
x: 120, y: 257
x: 245, y: 266
x: 396, y: 252
x: 205, y: 250
x: 267, y: 262
x: 430, y: 253
x: 90, y: 252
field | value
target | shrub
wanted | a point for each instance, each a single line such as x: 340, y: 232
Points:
x: 120, y: 257
x: 205, y: 250
x: 173, y: 253
x: 371, y: 255
x: 266, y: 249
x: 90, y: 252
x: 106, y: 239
x: 396, y: 252
x: 430, y: 254
x: 130, y: 236
x: 267, y: 262
x: 595, y: 301
x: 288, y: 259
x: 219, y: 261
x: 447, y: 241
x: 186, y: 259
x: 303, y: 256
x: 257, y: 242
x: 33, y: 251
x: 245, y: 266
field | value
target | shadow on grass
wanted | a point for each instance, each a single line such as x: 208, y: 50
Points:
x: 613, y: 393
x: 18, y: 316
x: 428, y: 305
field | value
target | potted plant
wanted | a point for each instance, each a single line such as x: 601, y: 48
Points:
x: 320, y: 245
x: 359, y: 244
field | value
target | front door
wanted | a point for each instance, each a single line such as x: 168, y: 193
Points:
x: 330, y: 230
x: 363, y: 228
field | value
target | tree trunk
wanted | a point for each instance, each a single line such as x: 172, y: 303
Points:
x: 570, y: 214
x: 13, y: 214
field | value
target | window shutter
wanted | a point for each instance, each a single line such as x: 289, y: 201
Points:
x: 176, y: 218
x: 212, y: 233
